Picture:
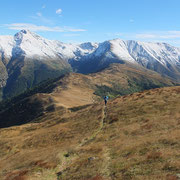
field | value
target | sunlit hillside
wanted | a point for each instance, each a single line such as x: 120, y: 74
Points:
x: 75, y: 90
x: 135, y: 137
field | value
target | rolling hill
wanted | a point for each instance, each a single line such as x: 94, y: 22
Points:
x: 135, y: 137
x: 75, y: 90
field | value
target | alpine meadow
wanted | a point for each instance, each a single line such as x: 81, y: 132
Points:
x: 90, y: 90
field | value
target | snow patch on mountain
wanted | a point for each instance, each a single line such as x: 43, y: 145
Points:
x: 6, y: 45
x: 33, y: 46
x: 120, y: 49
x: 147, y: 51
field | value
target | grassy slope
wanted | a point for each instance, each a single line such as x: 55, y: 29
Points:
x: 127, y: 78
x: 136, y: 137
x: 67, y: 91
x: 77, y: 90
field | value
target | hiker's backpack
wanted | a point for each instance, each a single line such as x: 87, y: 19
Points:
x: 106, y: 97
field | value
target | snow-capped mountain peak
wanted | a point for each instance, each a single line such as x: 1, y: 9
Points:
x: 31, y: 45
x: 31, y: 58
x: 34, y: 45
x: 6, y: 45
x: 120, y: 49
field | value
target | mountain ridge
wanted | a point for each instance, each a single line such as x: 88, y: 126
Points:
x: 25, y: 38
x: 76, y: 90
x: 27, y: 59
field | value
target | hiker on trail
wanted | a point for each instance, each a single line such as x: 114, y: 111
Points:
x: 105, y: 99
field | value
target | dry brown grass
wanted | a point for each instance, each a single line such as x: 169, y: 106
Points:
x: 78, y: 89
x: 140, y: 139
x: 17, y: 175
x: 41, y: 146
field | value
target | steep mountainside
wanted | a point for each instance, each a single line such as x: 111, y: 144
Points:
x: 135, y: 137
x: 27, y: 59
x: 75, y: 90
x: 159, y: 57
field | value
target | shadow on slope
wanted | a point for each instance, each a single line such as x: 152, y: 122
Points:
x: 76, y: 90
x: 26, y: 110
x: 43, y: 87
x: 29, y: 105
x: 93, y: 65
x: 26, y: 73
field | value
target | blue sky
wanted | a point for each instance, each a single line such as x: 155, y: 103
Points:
x: 94, y: 20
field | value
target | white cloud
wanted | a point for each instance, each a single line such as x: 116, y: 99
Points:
x: 145, y: 36
x: 70, y: 29
x: 159, y: 35
x: 39, y: 14
x: 44, y: 6
x: 118, y: 34
x: 172, y: 37
x: 114, y: 34
x: 131, y: 20
x: 58, y: 11
x: 71, y: 35
x: 33, y: 27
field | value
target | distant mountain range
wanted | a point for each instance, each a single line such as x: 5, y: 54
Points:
x: 27, y: 59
